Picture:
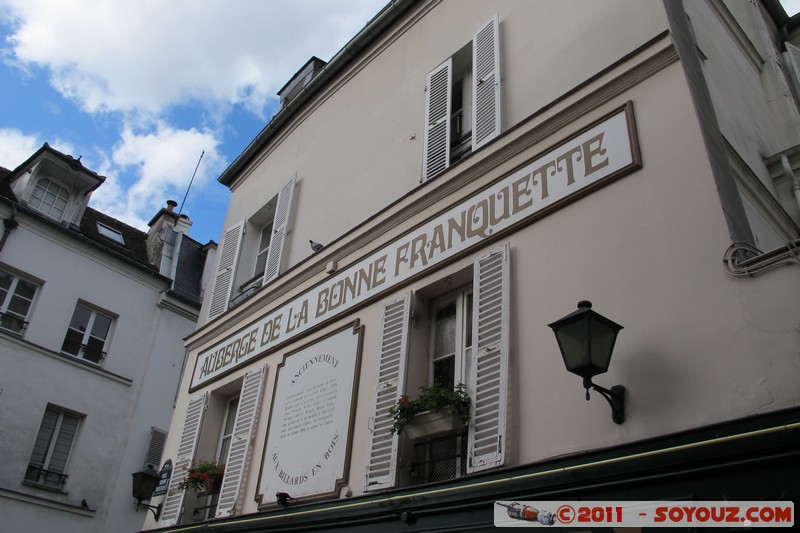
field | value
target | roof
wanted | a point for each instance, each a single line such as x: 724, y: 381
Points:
x: 135, y: 247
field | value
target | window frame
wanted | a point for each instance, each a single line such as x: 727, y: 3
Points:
x: 87, y: 334
x: 462, y: 299
x: 46, y: 470
x: 10, y: 294
x: 62, y: 188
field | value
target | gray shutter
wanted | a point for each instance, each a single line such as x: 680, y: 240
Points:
x: 279, y: 226
x: 171, y: 512
x: 158, y: 438
x: 226, y: 270
x: 486, y: 84
x: 381, y: 470
x: 246, y: 414
x: 488, y: 379
x: 436, y: 145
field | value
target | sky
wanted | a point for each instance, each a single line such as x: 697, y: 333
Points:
x: 141, y: 89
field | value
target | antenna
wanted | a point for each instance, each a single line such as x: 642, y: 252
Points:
x: 191, y: 181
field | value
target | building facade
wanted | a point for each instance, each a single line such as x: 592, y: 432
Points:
x: 450, y: 183
x: 93, y: 317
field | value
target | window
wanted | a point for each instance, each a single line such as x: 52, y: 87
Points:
x: 251, y: 252
x: 52, y: 448
x: 263, y: 249
x: 87, y: 334
x: 50, y: 198
x: 110, y: 233
x: 462, y: 107
x: 223, y: 448
x: 16, y: 298
x: 479, y: 313
x: 451, y: 338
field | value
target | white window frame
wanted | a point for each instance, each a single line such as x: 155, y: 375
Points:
x: 87, y: 334
x: 45, y: 469
x: 10, y: 294
x: 37, y: 202
x: 463, y: 333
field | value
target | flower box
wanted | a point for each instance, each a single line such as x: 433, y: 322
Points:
x: 433, y: 423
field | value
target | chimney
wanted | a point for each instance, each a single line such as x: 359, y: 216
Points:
x: 163, y: 237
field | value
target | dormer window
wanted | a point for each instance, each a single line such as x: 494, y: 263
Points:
x: 110, y: 233
x: 50, y: 198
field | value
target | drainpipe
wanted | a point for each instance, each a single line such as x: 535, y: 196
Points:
x: 787, y: 168
x: 9, y: 225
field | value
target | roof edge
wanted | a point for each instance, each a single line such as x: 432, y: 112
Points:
x: 375, y: 27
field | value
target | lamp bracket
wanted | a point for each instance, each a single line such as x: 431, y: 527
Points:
x: 155, y: 509
x: 615, y: 398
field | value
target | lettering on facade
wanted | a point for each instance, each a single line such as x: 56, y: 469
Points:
x: 602, y: 151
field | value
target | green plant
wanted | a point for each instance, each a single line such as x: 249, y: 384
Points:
x: 433, y: 398
x: 203, y: 476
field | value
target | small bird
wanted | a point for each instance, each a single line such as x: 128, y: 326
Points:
x: 84, y: 504
x: 283, y: 498
x: 315, y: 246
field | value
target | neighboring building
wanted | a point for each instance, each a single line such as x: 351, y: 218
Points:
x: 473, y: 169
x: 92, y: 320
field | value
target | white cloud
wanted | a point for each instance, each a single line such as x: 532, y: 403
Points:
x: 16, y: 147
x: 161, y: 161
x: 119, y: 55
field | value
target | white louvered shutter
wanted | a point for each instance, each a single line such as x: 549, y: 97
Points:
x: 488, y: 379
x: 382, y: 467
x: 486, y: 84
x: 158, y: 438
x: 235, y: 463
x: 279, y: 226
x: 223, y: 283
x: 436, y: 145
x: 171, y: 512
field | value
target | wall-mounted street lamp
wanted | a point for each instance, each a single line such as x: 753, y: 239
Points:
x: 144, y: 484
x: 586, y: 340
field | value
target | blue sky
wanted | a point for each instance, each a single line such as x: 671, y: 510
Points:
x: 141, y: 89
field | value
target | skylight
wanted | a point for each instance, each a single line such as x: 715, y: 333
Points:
x: 110, y: 233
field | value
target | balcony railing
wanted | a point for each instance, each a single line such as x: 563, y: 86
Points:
x: 440, y: 458
x: 48, y: 478
x: 12, y: 323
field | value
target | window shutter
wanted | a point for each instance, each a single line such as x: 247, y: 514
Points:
x: 279, y: 226
x: 381, y: 470
x: 436, y: 146
x: 486, y: 84
x: 186, y: 447
x: 158, y: 438
x: 249, y: 406
x: 488, y: 379
x: 226, y: 269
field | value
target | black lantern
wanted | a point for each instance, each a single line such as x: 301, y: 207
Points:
x: 144, y: 484
x: 586, y: 340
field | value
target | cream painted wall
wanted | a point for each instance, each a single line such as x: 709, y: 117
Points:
x: 699, y: 346
x: 373, y: 153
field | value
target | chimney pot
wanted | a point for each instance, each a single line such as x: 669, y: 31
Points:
x: 171, y: 204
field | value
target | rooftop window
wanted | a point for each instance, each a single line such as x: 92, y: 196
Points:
x: 110, y: 233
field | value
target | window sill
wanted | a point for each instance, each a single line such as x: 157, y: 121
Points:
x: 39, y: 486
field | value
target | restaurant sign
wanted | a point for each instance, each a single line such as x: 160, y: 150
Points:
x: 606, y: 150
